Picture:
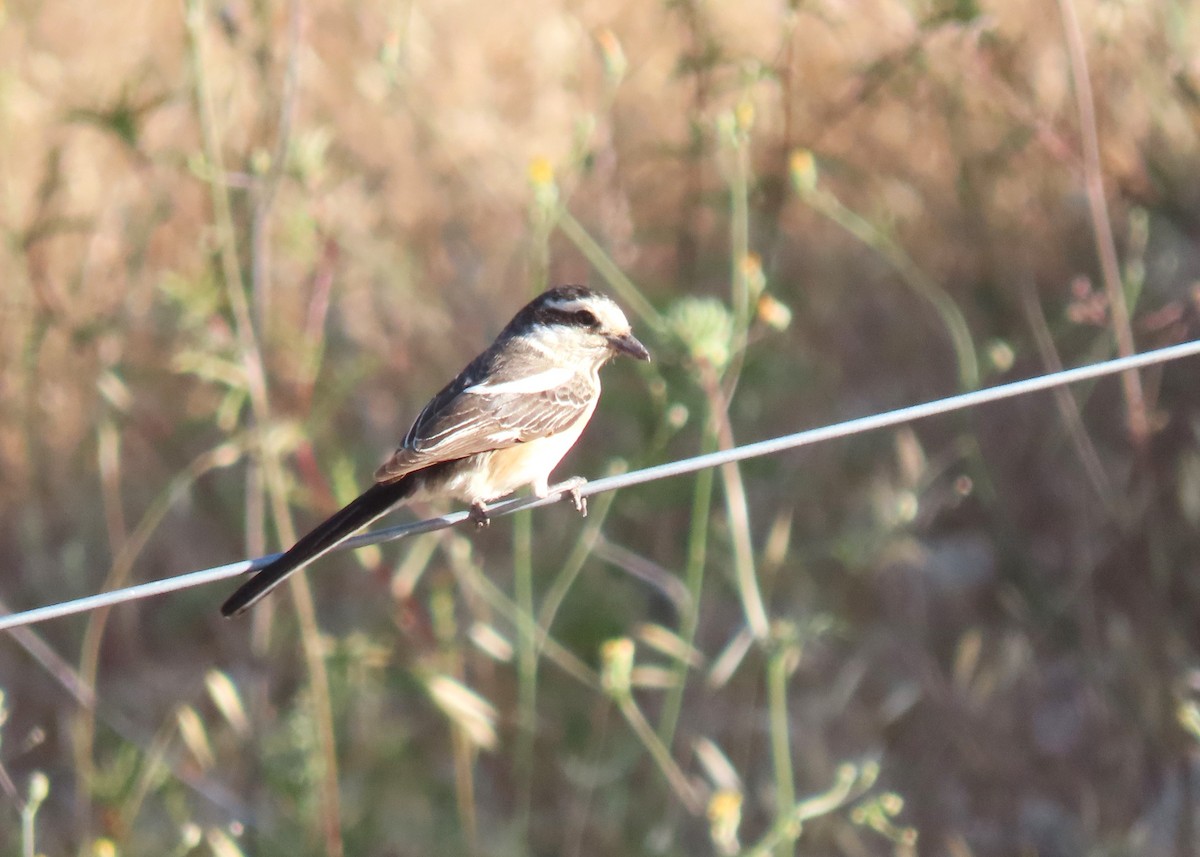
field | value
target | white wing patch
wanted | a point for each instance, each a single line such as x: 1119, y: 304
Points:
x: 539, y: 383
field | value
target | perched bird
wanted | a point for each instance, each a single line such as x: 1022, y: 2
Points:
x: 504, y: 422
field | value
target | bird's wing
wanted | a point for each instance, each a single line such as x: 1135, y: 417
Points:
x: 499, y: 410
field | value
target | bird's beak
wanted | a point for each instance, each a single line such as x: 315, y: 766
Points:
x: 627, y: 343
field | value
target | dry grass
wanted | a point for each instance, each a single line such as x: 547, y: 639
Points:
x: 992, y: 618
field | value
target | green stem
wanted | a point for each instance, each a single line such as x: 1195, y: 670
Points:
x: 122, y: 567
x: 561, y: 657
x: 739, y: 225
x: 952, y: 318
x: 629, y: 294
x: 256, y: 383
x: 527, y: 659
x: 683, y: 788
x: 737, y: 510
x: 557, y: 591
x: 694, y: 580
x: 851, y: 783
x: 781, y: 751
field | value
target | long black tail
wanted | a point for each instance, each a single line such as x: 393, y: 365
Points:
x: 372, y: 504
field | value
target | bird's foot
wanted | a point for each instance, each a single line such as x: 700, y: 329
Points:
x: 571, y: 488
x: 479, y: 514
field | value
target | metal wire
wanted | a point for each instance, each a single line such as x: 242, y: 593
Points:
x: 637, y: 477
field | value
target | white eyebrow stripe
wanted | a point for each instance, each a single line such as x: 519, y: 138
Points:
x: 569, y: 305
x: 539, y: 383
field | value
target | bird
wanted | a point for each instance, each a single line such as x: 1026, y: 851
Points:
x: 504, y: 422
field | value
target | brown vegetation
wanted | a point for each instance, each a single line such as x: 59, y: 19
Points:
x: 244, y: 244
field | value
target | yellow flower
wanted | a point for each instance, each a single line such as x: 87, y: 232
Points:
x: 744, y: 114
x: 724, y: 819
x: 541, y: 172
x: 774, y: 313
x: 616, y: 658
x: 803, y: 167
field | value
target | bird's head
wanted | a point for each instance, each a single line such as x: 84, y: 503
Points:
x: 576, y: 321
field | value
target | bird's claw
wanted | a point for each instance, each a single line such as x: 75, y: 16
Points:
x: 572, y: 488
x: 479, y: 514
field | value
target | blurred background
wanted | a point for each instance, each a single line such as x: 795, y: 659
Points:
x: 245, y: 242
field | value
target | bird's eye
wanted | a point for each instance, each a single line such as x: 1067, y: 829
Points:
x: 585, y: 317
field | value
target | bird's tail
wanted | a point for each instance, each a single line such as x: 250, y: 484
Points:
x: 372, y: 504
